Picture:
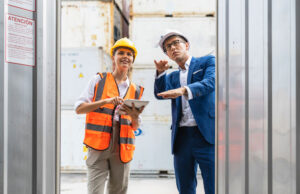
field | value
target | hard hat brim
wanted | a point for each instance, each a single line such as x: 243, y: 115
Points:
x: 125, y: 43
x: 168, y: 35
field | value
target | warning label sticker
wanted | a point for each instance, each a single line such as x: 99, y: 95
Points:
x: 23, y: 4
x: 19, y: 40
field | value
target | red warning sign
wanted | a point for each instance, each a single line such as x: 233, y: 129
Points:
x: 19, y: 40
x: 29, y: 5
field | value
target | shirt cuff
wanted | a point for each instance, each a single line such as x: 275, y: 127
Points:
x: 189, y: 95
x: 160, y: 75
x: 77, y: 104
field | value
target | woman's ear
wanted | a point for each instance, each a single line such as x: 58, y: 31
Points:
x: 113, y: 64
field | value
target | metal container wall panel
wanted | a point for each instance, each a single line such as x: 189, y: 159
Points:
x: 236, y: 102
x: 3, y: 102
x: 72, y: 147
x: 146, y: 32
x: 256, y: 97
x: 258, y: 64
x: 157, y: 109
x: 221, y: 102
x: 153, y: 147
x: 86, y: 24
x: 20, y: 140
x: 155, y: 126
x: 79, y: 65
x: 158, y: 7
x: 28, y: 115
x: 283, y: 117
x: 117, y: 25
x: 120, y: 4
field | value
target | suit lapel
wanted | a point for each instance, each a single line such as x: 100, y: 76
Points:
x: 177, y: 81
x: 191, y: 70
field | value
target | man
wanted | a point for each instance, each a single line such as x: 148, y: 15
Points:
x: 191, y: 90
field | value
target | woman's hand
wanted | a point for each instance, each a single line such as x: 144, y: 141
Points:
x: 115, y: 100
x: 89, y: 107
x: 131, y: 111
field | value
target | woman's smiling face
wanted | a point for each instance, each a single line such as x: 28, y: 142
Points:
x: 123, y: 59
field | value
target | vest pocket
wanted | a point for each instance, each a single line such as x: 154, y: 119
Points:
x: 130, y: 148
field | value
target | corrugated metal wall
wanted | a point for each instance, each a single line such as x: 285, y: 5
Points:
x: 258, y: 97
x: 28, y: 98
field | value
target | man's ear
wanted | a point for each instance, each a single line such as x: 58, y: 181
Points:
x: 187, y: 46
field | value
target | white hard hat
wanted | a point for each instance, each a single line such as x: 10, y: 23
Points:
x: 168, y: 34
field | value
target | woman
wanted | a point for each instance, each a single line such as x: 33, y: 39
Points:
x: 110, y: 125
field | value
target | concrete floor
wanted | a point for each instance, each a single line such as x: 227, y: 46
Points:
x: 76, y: 184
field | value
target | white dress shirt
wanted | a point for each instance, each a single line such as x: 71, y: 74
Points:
x: 187, y: 118
x: 88, y: 93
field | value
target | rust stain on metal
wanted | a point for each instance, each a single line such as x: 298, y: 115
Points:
x: 131, y: 10
x: 69, y: 6
x: 112, y: 6
x: 165, y: 119
x: 174, y: 14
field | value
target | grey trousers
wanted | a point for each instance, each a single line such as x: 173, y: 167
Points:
x: 105, y: 167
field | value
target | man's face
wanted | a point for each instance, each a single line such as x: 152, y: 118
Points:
x: 176, y: 48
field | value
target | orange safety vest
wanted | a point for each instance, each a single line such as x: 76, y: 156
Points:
x: 99, y: 122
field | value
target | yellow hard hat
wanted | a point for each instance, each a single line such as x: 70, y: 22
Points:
x: 124, y: 42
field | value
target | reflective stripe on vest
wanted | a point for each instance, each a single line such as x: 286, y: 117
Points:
x: 99, y: 122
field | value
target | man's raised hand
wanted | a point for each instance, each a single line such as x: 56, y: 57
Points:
x: 161, y: 66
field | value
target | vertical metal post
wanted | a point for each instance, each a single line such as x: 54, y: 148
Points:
x: 47, y: 99
x: 2, y: 113
x: 58, y: 93
x: 216, y: 100
x: 227, y: 98
x: 270, y: 95
x: 246, y: 96
x: 297, y: 37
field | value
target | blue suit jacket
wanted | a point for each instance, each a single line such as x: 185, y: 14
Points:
x: 201, y: 81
